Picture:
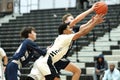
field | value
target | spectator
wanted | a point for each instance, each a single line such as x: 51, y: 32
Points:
x: 2, y: 64
x: 100, y: 66
x: 112, y: 73
x: 83, y: 4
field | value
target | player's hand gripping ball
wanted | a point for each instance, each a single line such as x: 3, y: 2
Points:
x: 101, y: 8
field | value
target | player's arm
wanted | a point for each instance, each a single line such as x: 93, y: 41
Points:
x: 37, y: 48
x: 20, y: 51
x: 5, y: 60
x: 82, y: 16
x: 95, y: 20
x: 85, y: 25
x: 4, y: 57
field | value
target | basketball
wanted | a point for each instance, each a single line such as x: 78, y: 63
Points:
x: 101, y: 8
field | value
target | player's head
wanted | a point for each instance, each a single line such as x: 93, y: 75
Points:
x: 28, y: 32
x: 65, y: 29
x: 67, y: 18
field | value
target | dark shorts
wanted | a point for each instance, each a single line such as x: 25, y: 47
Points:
x: 61, y: 64
x: 11, y: 72
x: 52, y: 69
x: 29, y: 78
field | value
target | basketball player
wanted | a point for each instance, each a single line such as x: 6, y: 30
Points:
x: 23, y: 54
x: 64, y: 63
x: 45, y: 65
x: 3, y: 64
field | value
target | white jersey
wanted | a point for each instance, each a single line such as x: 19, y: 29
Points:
x: 43, y: 65
x: 2, y: 54
x: 60, y: 46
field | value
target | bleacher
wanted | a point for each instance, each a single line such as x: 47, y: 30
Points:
x: 1, y: 15
x: 46, y: 23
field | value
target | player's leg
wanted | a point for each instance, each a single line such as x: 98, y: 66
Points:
x: 47, y: 69
x: 61, y: 64
x: 53, y: 71
x: 74, y: 69
x: 52, y: 77
x: 11, y: 67
x: 35, y: 74
x: 56, y: 78
x: 67, y: 65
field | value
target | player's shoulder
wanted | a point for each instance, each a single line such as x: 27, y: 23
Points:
x: 1, y: 49
x: 2, y: 52
x: 64, y: 35
x: 26, y: 41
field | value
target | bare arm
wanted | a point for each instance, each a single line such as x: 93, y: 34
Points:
x: 96, y: 20
x: 5, y: 59
x: 85, y: 25
x: 81, y: 16
x: 5, y: 62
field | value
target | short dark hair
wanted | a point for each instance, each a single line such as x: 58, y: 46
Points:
x: 62, y: 27
x: 25, y: 31
x: 65, y: 17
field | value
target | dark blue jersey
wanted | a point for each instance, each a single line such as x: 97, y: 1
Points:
x: 26, y: 51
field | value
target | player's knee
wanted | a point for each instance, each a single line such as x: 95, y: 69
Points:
x: 52, y: 77
x: 77, y: 71
x: 56, y: 78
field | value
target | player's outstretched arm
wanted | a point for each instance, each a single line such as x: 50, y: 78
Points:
x: 85, y: 25
x: 82, y: 16
x: 97, y: 19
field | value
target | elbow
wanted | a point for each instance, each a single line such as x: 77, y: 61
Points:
x: 5, y: 58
